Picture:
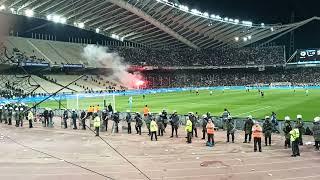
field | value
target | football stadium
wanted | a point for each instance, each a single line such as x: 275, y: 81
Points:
x: 159, y: 89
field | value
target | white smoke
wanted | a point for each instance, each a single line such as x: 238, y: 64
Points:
x: 98, y: 56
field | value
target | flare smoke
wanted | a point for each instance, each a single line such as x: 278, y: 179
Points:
x: 100, y: 57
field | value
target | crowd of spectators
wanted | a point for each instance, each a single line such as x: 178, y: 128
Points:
x: 232, y: 77
x: 191, y: 57
x: 180, y: 57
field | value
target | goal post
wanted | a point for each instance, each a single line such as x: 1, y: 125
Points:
x: 84, y: 101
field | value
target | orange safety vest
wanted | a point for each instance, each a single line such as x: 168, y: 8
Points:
x: 145, y: 110
x: 95, y: 109
x: 210, y: 128
x: 90, y: 109
x: 256, y: 131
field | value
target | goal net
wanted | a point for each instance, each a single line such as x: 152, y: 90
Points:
x: 84, y: 101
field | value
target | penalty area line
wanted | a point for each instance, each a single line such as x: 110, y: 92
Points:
x: 267, y: 107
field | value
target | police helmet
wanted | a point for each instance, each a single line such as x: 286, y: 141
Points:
x: 287, y: 118
x: 299, y: 116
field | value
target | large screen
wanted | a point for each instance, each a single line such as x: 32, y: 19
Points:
x: 309, y: 55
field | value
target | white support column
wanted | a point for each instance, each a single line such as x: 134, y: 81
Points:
x: 129, y: 7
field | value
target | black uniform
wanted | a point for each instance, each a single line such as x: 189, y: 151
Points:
x: 51, y: 114
x: 105, y: 119
x: 194, y: 120
x: 300, y: 126
x: 164, y: 116
x: 204, y: 127
x: 174, y: 120
x: 230, y: 129
x: 139, y: 123
x: 21, y: 116
x: 248, y: 130
x: 110, y: 109
x: 65, y: 118
x: 5, y: 116
x: 74, y: 117
x: 129, y: 119
x: 160, y: 123
x: 83, y: 120
x: 1, y: 111
x: 286, y: 129
x: 267, y: 130
x: 116, y: 120
x: 10, y: 116
x: 46, y: 118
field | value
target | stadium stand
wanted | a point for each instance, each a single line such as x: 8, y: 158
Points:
x: 62, y: 52
x: 234, y: 77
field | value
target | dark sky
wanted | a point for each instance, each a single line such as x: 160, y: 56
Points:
x: 268, y: 11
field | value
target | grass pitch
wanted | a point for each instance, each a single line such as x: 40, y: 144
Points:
x: 238, y: 102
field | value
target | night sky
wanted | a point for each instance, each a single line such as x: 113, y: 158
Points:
x: 268, y: 12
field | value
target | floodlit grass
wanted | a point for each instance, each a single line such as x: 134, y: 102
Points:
x: 239, y: 103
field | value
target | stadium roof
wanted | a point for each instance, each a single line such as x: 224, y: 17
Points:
x: 153, y: 23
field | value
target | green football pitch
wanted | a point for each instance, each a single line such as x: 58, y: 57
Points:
x: 238, y: 102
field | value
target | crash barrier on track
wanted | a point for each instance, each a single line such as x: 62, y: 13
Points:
x: 218, y: 121
x: 145, y: 91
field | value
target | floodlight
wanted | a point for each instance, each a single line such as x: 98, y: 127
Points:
x: 2, y: 7
x: 247, y: 23
x: 56, y: 18
x: 213, y: 16
x: 245, y: 39
x: 249, y: 37
x: 97, y: 30
x: 231, y: 20
x: 205, y: 14
x: 236, y: 21
x: 81, y: 25
x: 185, y: 8
x: 49, y: 17
x: 236, y: 38
x: 63, y: 20
x: 262, y: 24
x: 226, y: 19
x: 29, y: 12
x: 272, y: 29
x: 195, y: 11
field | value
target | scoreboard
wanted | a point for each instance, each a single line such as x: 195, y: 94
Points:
x: 309, y: 55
